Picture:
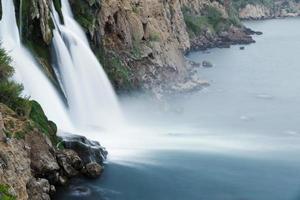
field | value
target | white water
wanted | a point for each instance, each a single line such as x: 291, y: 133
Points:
x: 27, y: 70
x: 92, y: 101
x: 90, y: 96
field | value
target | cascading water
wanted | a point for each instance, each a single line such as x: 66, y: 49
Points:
x: 91, y: 98
x: 27, y: 70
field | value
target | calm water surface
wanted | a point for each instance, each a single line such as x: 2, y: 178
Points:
x: 238, y: 139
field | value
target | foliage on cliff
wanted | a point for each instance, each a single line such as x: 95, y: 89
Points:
x: 5, y: 194
x: 211, y: 19
x: 10, y: 95
x: 10, y: 91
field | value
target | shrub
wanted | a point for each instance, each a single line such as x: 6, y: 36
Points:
x: 10, y: 91
x: 214, y: 16
x: 6, y: 70
x: 154, y: 37
x: 4, y: 193
x: 40, y: 120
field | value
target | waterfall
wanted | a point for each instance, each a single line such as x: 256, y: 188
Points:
x: 27, y: 71
x: 90, y: 96
x: 20, y: 18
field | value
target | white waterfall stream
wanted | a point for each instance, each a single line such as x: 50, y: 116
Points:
x: 90, y: 96
x: 92, y: 101
x: 27, y: 71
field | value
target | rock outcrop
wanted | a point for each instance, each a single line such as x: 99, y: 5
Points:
x: 31, y: 165
x: 278, y: 8
x: 142, y: 43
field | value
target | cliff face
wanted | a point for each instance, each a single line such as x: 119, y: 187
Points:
x: 30, y: 163
x: 141, y: 43
x: 155, y: 34
x: 278, y: 8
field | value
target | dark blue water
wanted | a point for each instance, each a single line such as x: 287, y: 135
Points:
x: 239, y: 139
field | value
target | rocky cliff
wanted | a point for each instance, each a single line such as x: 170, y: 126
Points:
x: 140, y: 43
x: 31, y: 164
x: 263, y: 10
x: 32, y: 158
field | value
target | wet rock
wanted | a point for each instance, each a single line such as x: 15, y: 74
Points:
x: 93, y: 170
x: 69, y: 162
x: 38, y: 189
x: 86, y: 149
x: 193, y: 64
x: 207, y: 64
x: 62, y: 180
x: 52, y: 190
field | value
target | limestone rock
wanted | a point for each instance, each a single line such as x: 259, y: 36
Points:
x: 38, y: 189
x: 69, y: 161
x: 93, y: 170
x: 43, y: 161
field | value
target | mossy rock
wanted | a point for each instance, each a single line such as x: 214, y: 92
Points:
x: 84, y: 12
x: 48, y: 127
x: 5, y: 194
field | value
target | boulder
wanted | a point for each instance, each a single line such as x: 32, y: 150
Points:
x: 93, y: 170
x: 86, y: 149
x: 38, y: 189
x: 207, y: 64
x: 69, y: 161
x: 43, y: 160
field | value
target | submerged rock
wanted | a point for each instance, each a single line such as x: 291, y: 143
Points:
x: 207, y: 64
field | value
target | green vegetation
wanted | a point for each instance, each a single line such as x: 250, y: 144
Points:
x: 10, y: 91
x: 10, y: 95
x: 211, y: 19
x: 116, y: 70
x: 84, y: 12
x: 4, y: 193
x: 154, y: 37
x: 40, y: 120
x: 57, y: 6
x: 136, y: 48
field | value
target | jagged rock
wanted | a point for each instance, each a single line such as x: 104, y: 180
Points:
x: 43, y: 161
x: 87, y: 150
x: 281, y: 8
x: 255, y: 12
x: 38, y: 189
x: 93, y: 170
x: 41, y: 11
x: 69, y: 161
